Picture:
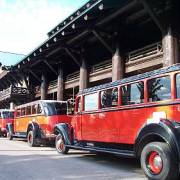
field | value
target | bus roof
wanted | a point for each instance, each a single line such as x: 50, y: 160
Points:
x: 133, y: 78
x: 6, y: 110
x: 39, y: 101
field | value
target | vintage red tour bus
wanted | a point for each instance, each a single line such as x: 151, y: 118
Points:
x: 6, y: 116
x: 36, y: 120
x: 135, y: 117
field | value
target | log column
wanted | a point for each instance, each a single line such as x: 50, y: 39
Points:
x: 170, y: 47
x: 83, y: 81
x: 44, y: 87
x: 60, y: 91
x: 117, y: 63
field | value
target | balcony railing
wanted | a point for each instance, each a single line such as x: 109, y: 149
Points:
x: 13, y: 92
x: 101, y: 66
x: 104, y: 69
x: 72, y: 76
x: 153, y: 49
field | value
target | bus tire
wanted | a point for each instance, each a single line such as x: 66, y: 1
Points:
x: 157, y: 162
x: 31, y: 139
x: 60, y: 145
x: 9, y: 136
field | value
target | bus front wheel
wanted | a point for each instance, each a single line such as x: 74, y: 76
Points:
x: 31, y: 139
x: 9, y: 136
x: 157, y: 162
x: 60, y: 145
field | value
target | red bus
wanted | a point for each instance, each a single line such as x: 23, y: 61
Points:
x: 136, y: 117
x: 36, y: 120
x: 6, y: 116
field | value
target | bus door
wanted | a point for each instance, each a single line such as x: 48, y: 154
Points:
x: 133, y: 111
x: 76, y: 121
x: 39, y: 117
x: 109, y: 119
x: 90, y: 118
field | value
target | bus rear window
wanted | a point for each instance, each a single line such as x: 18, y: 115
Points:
x: 7, y: 114
x: 159, y: 89
x: 56, y: 108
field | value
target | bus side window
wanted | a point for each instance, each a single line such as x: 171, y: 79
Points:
x: 34, y: 109
x: 91, y: 102
x: 178, y: 86
x: 18, y: 112
x: 39, y: 109
x: 132, y: 93
x: 159, y: 89
x: 23, y: 111
x: 109, y: 98
x: 28, y: 110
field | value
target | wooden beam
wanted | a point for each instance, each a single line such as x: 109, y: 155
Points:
x: 51, y: 67
x: 11, y: 82
x: 116, y: 13
x: 16, y: 80
x: 26, y: 82
x: 35, y: 63
x: 6, y: 85
x: 3, y: 87
x: 103, y: 41
x: 153, y: 15
x: 35, y: 75
x: 73, y: 57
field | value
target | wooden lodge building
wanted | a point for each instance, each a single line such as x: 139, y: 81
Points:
x: 103, y: 41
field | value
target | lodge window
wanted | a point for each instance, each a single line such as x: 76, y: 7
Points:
x: 178, y: 86
x: 23, y: 111
x: 132, y: 93
x: 109, y: 98
x: 159, y: 89
x: 91, y: 102
x: 28, y: 110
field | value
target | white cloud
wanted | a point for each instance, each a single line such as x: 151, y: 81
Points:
x: 25, y: 24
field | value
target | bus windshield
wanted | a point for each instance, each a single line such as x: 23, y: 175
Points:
x: 7, y: 114
x: 56, y: 108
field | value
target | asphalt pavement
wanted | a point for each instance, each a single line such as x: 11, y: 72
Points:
x: 18, y: 161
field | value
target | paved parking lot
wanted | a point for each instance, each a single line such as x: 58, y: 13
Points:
x: 18, y: 161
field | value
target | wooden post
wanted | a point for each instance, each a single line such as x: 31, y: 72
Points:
x: 44, y: 87
x: 117, y: 63
x: 60, y: 91
x: 83, y: 80
x: 170, y: 47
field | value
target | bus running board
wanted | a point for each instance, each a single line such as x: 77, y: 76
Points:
x: 124, y: 153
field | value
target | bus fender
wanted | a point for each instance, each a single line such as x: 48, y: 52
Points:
x: 10, y: 127
x: 165, y: 131
x: 63, y: 129
x: 35, y: 127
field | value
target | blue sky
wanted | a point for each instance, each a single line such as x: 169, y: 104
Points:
x: 24, y: 24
